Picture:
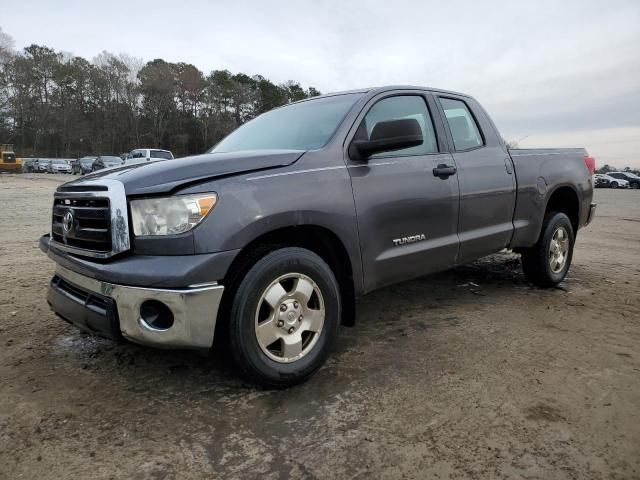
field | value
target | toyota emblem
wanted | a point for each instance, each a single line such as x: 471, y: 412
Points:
x: 67, y: 221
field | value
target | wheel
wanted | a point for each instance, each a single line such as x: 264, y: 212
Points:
x: 613, y: 184
x: 548, y: 261
x: 284, y: 318
x: 635, y: 185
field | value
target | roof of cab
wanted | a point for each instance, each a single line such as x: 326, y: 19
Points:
x: 376, y: 90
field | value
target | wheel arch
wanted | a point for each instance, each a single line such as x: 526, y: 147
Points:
x: 564, y: 198
x: 317, y: 238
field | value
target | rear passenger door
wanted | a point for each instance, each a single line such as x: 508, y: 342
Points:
x: 407, y: 216
x: 485, y: 176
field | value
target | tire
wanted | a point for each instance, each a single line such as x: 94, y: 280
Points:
x: 543, y: 266
x: 296, y: 271
x: 613, y: 184
x: 635, y: 185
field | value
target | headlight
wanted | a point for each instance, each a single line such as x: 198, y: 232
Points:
x: 170, y: 215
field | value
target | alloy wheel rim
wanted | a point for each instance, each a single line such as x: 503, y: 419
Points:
x: 289, y: 317
x: 558, y: 249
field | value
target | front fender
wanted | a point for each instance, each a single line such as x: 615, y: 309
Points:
x: 250, y: 207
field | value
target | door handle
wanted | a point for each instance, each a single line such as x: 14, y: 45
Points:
x: 444, y: 171
x: 507, y: 165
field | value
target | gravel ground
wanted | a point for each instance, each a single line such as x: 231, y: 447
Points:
x: 470, y: 373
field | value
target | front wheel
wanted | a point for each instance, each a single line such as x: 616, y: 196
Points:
x: 546, y: 263
x: 614, y: 185
x: 284, y: 317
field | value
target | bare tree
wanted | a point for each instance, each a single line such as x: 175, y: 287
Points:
x: 6, y: 46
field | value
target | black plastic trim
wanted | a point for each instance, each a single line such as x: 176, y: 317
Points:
x: 88, y: 311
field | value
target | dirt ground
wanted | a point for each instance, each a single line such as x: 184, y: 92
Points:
x: 466, y: 374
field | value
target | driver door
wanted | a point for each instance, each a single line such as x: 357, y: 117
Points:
x: 407, y: 215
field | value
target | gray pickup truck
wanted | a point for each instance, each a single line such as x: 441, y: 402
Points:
x: 267, y: 239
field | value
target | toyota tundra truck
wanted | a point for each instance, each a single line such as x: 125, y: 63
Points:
x: 266, y: 240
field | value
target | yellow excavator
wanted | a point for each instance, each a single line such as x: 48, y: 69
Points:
x: 8, y: 161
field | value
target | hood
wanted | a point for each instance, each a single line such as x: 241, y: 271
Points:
x: 169, y: 175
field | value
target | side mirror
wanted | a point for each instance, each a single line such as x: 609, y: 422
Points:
x: 386, y: 137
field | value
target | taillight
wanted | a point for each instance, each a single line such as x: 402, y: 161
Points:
x: 590, y: 162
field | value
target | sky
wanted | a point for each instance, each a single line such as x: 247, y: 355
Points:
x: 550, y: 73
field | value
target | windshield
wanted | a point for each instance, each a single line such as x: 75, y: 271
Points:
x: 300, y: 126
x: 161, y: 154
x: 86, y: 161
x: 58, y: 162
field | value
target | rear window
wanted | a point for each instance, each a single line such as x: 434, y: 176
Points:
x: 111, y: 160
x: 464, y: 130
x: 626, y: 175
x: 161, y: 154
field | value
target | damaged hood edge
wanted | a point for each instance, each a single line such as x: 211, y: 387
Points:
x: 169, y: 175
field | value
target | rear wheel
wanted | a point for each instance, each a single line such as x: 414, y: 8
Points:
x: 546, y: 263
x: 635, y: 185
x: 284, y: 317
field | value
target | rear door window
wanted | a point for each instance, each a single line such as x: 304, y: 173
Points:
x: 464, y: 129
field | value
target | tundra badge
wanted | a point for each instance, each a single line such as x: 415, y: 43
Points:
x: 412, y: 239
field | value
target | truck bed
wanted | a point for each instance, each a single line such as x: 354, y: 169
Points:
x: 540, y: 172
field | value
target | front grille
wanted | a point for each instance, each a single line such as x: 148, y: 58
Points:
x: 95, y: 215
x: 89, y: 225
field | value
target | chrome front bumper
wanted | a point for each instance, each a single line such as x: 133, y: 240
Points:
x: 194, y: 309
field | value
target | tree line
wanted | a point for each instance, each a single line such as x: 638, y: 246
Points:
x: 54, y: 104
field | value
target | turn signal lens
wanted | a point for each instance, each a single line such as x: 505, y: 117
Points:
x: 206, y: 204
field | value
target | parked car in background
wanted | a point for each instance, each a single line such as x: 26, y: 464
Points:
x: 605, y: 181
x: 29, y: 165
x: 106, y: 161
x: 632, y: 178
x: 58, y: 166
x: 601, y: 181
x: 141, y: 155
x: 83, y: 165
x: 42, y: 165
